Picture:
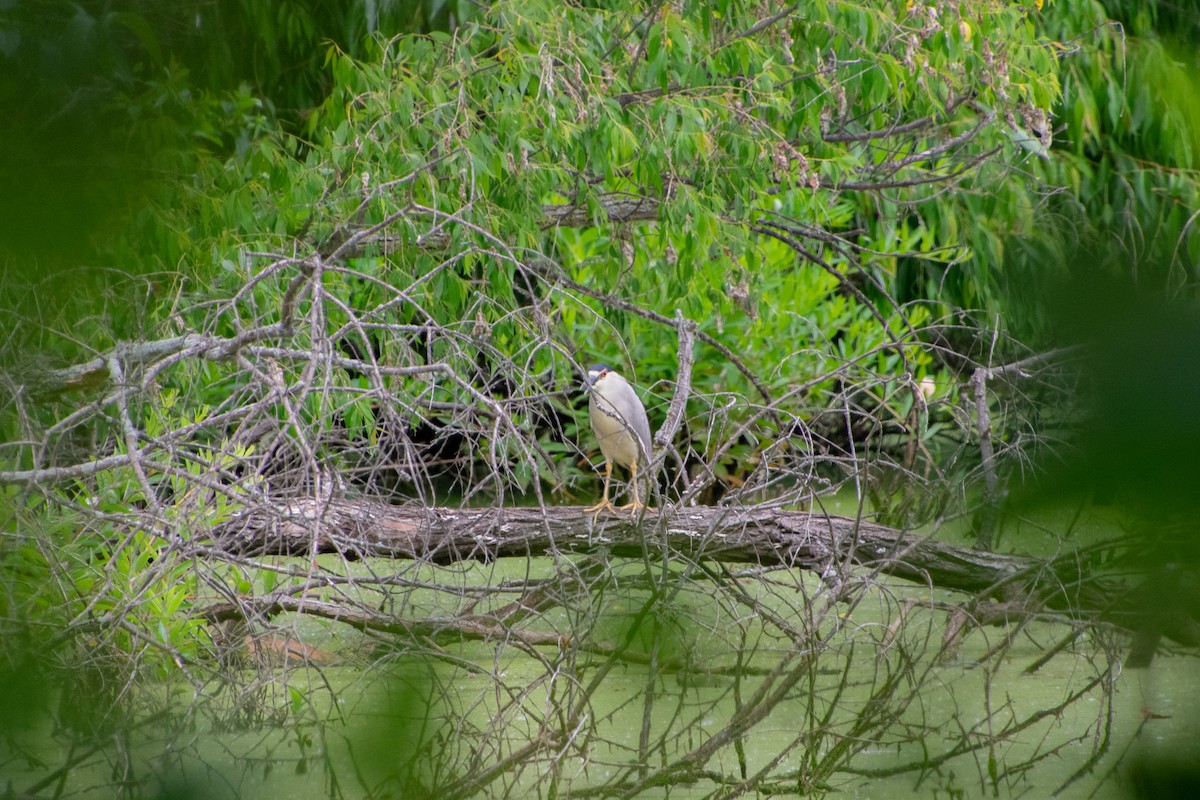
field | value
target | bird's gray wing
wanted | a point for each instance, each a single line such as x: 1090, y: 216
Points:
x: 635, y: 416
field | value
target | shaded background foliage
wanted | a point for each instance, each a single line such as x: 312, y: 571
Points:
x: 108, y: 105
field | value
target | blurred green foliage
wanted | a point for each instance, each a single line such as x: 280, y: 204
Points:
x: 1124, y: 177
x: 111, y: 109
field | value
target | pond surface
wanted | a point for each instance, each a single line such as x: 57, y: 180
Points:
x: 345, y: 729
x: 311, y: 760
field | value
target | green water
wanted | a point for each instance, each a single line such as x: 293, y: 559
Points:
x: 349, y: 729
x: 271, y: 759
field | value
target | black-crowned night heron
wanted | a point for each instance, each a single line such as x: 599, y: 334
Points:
x: 619, y: 421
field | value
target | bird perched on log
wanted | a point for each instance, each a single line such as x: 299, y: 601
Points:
x: 619, y: 422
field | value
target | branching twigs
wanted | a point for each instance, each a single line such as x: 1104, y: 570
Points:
x: 615, y: 302
x: 479, y: 627
x: 983, y: 428
x: 783, y: 234
x: 987, y: 458
x: 767, y: 22
x: 98, y: 371
x: 665, y: 435
x: 617, y: 207
x: 360, y: 529
x: 893, y: 130
x: 95, y: 373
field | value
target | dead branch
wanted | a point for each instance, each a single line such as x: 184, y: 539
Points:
x: 616, y: 207
x: 469, y: 627
x: 769, y: 537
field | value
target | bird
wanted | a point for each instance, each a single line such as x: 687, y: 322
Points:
x: 620, y: 425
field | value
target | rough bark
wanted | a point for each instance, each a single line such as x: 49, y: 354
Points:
x: 770, y: 537
x: 360, y: 528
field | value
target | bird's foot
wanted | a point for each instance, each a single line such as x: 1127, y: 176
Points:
x: 603, y: 505
x: 634, y: 507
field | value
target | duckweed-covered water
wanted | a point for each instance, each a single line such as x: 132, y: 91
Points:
x: 348, y: 727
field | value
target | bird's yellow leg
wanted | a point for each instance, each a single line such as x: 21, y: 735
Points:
x: 637, y: 504
x: 604, y: 504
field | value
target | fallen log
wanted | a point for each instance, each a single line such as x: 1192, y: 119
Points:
x: 827, y: 544
x: 769, y: 537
